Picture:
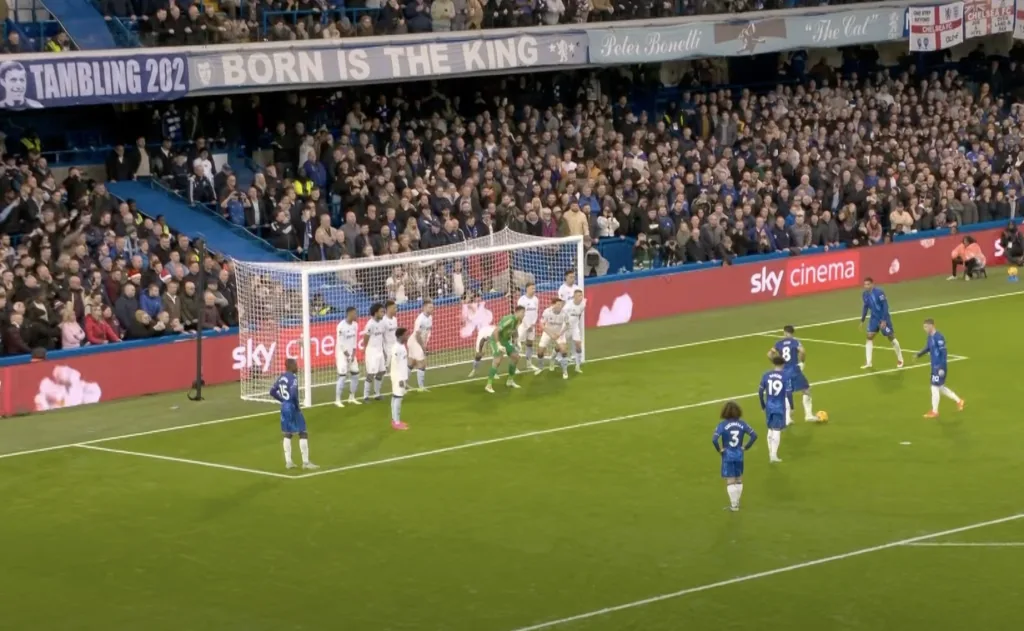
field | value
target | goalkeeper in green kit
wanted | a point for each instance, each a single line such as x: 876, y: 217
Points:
x: 503, y: 343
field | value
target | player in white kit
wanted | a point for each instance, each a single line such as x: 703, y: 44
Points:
x: 483, y: 337
x: 345, y: 356
x: 528, y: 328
x: 574, y: 326
x: 553, y: 322
x: 418, y: 343
x: 373, y: 342
x: 399, y: 377
x: 569, y: 287
x: 390, y: 322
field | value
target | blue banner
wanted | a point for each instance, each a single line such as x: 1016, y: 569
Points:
x: 56, y: 79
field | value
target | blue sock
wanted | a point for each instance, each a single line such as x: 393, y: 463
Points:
x: 396, y: 409
x: 421, y: 377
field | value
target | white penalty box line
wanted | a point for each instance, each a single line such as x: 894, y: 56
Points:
x: 175, y: 428
x: 909, y: 542
x: 856, y: 345
x: 478, y: 443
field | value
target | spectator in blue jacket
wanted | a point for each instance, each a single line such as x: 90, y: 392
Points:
x: 152, y: 302
x: 417, y: 16
x: 315, y: 171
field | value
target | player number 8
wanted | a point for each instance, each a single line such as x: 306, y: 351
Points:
x: 787, y: 354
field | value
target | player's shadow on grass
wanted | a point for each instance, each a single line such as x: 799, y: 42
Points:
x: 893, y: 382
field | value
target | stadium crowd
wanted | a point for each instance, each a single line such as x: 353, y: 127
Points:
x: 163, y: 23
x: 389, y: 169
x: 79, y: 267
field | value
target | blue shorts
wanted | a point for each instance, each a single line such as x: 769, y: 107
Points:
x: 732, y: 468
x: 938, y: 380
x: 797, y: 381
x: 875, y: 326
x: 293, y: 422
x: 776, y: 420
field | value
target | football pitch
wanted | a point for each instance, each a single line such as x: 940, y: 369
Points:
x: 588, y: 504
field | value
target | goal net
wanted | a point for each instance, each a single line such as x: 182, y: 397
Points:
x: 291, y: 310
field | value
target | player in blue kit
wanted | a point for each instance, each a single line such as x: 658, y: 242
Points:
x: 729, y: 438
x: 286, y: 391
x: 793, y: 354
x: 774, y: 395
x: 877, y: 306
x: 939, y: 355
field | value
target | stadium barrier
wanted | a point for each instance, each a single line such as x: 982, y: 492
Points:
x: 107, y: 373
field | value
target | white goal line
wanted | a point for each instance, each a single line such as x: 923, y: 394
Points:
x: 242, y: 417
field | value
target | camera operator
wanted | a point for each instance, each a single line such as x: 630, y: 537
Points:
x: 1012, y: 244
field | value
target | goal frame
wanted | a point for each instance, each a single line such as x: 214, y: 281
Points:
x: 308, y: 269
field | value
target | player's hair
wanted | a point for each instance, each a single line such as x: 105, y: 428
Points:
x: 868, y: 279
x: 789, y: 329
x: 375, y: 307
x: 569, y: 271
x: 427, y: 301
x: 390, y: 303
x: 578, y: 291
x: 291, y: 365
x: 349, y: 310
x: 929, y: 321
x: 518, y: 309
x: 731, y: 410
x: 556, y: 299
x: 778, y: 361
x: 400, y: 331
x: 530, y: 284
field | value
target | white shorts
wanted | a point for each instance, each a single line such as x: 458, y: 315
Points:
x: 375, y: 362
x: 416, y: 352
x: 575, y: 334
x: 345, y: 365
x: 482, y: 337
x: 397, y: 391
x: 546, y: 340
x: 526, y: 333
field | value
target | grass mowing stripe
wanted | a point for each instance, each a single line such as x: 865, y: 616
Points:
x: 730, y: 338
x: 782, y: 570
x: 200, y: 463
x: 565, y: 428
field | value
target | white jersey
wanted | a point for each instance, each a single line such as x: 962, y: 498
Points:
x: 347, y: 338
x: 574, y: 315
x: 399, y: 369
x: 565, y: 292
x: 374, y: 334
x: 532, y: 306
x: 390, y: 326
x: 421, y: 329
x: 554, y: 322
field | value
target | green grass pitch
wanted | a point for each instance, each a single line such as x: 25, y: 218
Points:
x: 589, y: 504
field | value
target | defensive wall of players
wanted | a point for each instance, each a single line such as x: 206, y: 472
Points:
x: 127, y: 369
x: 36, y: 81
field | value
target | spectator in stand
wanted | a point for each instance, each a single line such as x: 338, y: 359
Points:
x: 119, y: 166
x: 71, y: 333
x: 442, y: 12
x: 15, y: 341
x: 97, y: 329
x: 211, y: 314
x: 12, y: 44
x: 59, y: 43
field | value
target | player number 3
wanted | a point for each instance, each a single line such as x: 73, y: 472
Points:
x: 734, y: 440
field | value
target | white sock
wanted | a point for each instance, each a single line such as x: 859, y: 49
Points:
x: 789, y: 412
x: 579, y: 358
x: 304, y: 449
x: 734, y: 494
x: 564, y: 362
x: 949, y: 394
x: 378, y: 383
x: 529, y: 355
x: 396, y: 409
x: 339, y: 390
x: 808, y: 408
x: 869, y: 347
x: 421, y: 377
x: 935, y: 399
x: 367, y: 385
x: 739, y: 493
x: 542, y: 361
x: 287, y: 450
x: 353, y: 384
x: 774, y: 438
x: 899, y: 351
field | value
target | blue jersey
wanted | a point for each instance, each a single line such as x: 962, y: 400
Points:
x: 286, y: 391
x: 773, y: 394
x: 938, y: 354
x: 877, y: 307
x: 788, y: 348
x: 729, y: 440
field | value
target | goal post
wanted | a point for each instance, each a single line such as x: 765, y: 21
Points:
x: 291, y: 310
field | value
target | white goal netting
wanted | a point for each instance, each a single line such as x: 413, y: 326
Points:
x: 291, y: 310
